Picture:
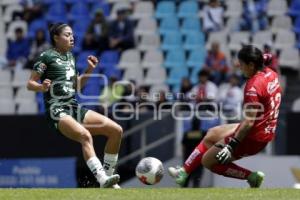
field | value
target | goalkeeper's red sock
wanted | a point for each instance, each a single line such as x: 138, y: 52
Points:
x: 194, y: 160
x: 231, y: 170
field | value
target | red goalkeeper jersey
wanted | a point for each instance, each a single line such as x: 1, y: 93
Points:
x: 264, y: 88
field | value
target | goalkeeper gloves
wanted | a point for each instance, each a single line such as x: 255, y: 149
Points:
x: 224, y: 156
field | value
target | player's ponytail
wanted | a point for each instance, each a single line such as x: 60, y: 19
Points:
x: 251, y: 54
x: 55, y: 29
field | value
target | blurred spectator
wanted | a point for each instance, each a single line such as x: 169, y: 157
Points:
x: 89, y: 42
x: 185, y: 88
x: 272, y: 62
x: 231, y: 97
x: 18, y: 51
x: 213, y: 16
x: 205, y: 90
x: 216, y: 63
x: 142, y: 100
x: 161, y: 103
x: 39, y: 44
x: 121, y: 32
x: 111, y: 93
x: 32, y: 9
x: 129, y: 96
x: 99, y: 29
x: 254, y: 17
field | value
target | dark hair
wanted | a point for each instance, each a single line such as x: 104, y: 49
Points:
x: 56, y: 29
x: 203, y: 72
x: 251, y: 54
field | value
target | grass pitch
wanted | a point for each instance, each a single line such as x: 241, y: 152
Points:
x: 144, y: 194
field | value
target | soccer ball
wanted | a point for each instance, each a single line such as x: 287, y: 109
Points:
x: 149, y: 170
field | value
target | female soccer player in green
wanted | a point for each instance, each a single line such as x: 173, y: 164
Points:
x: 56, y: 70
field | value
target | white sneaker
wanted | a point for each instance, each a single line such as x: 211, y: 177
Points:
x: 110, y: 181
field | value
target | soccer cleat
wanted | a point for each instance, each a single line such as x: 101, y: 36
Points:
x: 116, y: 186
x: 110, y: 181
x: 255, y: 179
x: 178, y: 174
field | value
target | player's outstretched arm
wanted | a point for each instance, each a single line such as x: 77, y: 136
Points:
x: 33, y: 84
x: 92, y: 64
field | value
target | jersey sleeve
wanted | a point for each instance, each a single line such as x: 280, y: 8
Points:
x: 40, y: 65
x: 251, y: 93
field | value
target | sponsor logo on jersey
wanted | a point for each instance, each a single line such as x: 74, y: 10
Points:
x: 272, y: 86
x: 251, y: 92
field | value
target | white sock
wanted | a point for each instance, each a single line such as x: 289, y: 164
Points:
x: 96, y: 168
x: 109, y: 163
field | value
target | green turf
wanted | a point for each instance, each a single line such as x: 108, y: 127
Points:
x: 144, y: 194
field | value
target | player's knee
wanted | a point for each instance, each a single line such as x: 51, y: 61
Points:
x: 118, y: 132
x: 85, y: 136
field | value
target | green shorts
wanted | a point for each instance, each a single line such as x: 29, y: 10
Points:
x: 56, y: 111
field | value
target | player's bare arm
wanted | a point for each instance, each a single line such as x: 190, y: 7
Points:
x: 33, y: 84
x: 92, y: 64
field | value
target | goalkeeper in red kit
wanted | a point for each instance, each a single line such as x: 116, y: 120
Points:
x: 226, y: 143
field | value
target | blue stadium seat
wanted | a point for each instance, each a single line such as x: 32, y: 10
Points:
x: 79, y: 11
x: 196, y: 58
x: 194, y: 75
x: 297, y: 25
x: 36, y: 25
x: 40, y: 102
x: 176, y: 74
x: 101, y: 6
x: 175, y: 59
x: 169, y: 25
x: 171, y: 41
x: 294, y: 9
x: 113, y: 71
x: 190, y: 25
x: 80, y: 27
x: 194, y: 41
x: 188, y: 9
x: 209, y: 123
x: 56, y: 13
x: 109, y: 59
x: 165, y: 9
x: 81, y: 62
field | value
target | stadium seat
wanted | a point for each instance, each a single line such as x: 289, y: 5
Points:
x: 56, y: 13
x: 169, y: 25
x: 40, y: 102
x: 135, y: 74
x: 236, y: 39
x: 196, y: 58
x: 117, y: 6
x: 220, y: 37
x: 188, y: 9
x: 10, y: 10
x: 277, y: 8
x: 146, y: 26
x: 294, y: 9
x: 194, y: 40
x: 6, y: 93
x: 194, y: 75
x: 289, y: 58
x: 171, y: 41
x: 156, y: 75
x: 262, y: 37
x: 153, y: 59
x: 281, y: 23
x: 7, y: 107
x: 113, y: 72
x: 36, y: 25
x: 81, y: 60
x: 23, y: 94
x: 232, y: 25
x: 165, y: 9
x: 100, y: 6
x: 27, y: 108
x: 158, y: 87
x: 285, y: 39
x: 296, y: 28
x: 175, y: 59
x: 190, y: 25
x: 176, y: 74
x: 143, y: 9
x: 80, y: 27
x: 130, y: 58
x: 149, y: 42
x: 234, y: 8
x: 109, y: 59
x: 21, y: 77
x: 296, y: 105
x: 5, y: 78
x: 79, y: 11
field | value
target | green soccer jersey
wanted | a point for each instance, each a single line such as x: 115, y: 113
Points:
x: 60, y: 69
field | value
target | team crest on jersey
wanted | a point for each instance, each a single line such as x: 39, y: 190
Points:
x: 42, y: 66
x: 272, y: 86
